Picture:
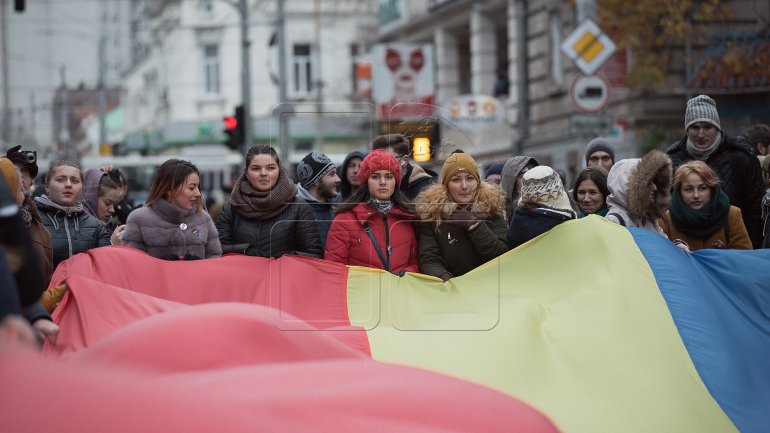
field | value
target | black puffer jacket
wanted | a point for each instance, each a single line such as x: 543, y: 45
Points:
x: 293, y: 231
x: 741, y: 178
x: 528, y: 224
x: 72, y: 230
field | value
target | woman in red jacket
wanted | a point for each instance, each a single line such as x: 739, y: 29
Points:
x: 374, y: 227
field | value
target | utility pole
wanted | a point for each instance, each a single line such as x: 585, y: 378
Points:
x: 248, y: 136
x: 586, y: 9
x: 319, y: 125
x: 102, y: 95
x: 243, y: 12
x: 283, y: 120
x: 6, y: 119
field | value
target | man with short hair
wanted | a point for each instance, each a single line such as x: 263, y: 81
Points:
x: 733, y: 160
x: 600, y: 153
x: 318, y: 186
x: 413, y: 178
x: 759, y: 137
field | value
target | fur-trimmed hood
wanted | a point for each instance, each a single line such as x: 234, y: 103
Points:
x: 434, y: 203
x: 629, y: 184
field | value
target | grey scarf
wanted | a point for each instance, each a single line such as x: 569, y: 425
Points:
x: 703, y: 154
x: 381, y: 205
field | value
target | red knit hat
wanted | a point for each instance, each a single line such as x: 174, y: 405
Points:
x: 379, y: 160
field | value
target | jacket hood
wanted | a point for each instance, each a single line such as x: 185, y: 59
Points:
x: 654, y: 168
x: 45, y: 203
x: 629, y: 181
x: 91, y: 191
x: 434, y: 203
x: 511, y: 171
x: 305, y: 195
x: 345, y: 187
x: 617, y: 181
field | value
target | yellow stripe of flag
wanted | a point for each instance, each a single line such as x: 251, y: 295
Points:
x: 572, y: 322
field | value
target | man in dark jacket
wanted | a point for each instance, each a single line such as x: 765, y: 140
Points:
x: 732, y: 159
x: 413, y: 178
x: 318, y: 186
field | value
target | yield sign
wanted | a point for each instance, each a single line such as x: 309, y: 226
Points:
x: 588, y: 46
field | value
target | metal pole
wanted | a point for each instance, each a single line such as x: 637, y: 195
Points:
x: 522, y: 85
x: 6, y: 119
x: 102, y: 95
x: 318, y: 83
x: 283, y: 120
x: 586, y: 9
x: 248, y: 136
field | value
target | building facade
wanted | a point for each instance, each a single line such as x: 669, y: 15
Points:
x: 478, y: 43
x: 186, y: 75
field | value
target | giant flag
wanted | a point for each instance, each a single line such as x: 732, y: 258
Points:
x: 599, y: 327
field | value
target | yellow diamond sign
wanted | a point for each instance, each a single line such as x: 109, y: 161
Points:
x: 588, y: 46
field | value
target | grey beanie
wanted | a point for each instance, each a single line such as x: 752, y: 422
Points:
x: 599, y: 144
x: 701, y: 109
x: 312, y: 168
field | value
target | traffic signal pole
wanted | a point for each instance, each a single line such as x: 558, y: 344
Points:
x: 245, y: 76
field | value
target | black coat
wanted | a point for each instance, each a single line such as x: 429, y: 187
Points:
x: 72, y: 233
x: 740, y: 174
x: 293, y: 231
x: 528, y: 224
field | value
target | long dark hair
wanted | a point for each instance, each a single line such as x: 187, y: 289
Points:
x: 170, y: 177
x: 362, y: 196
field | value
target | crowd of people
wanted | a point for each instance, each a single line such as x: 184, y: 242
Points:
x: 707, y: 190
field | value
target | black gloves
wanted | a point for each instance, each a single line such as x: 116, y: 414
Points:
x: 461, y: 218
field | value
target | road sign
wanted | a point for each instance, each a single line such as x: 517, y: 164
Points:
x: 590, y: 93
x: 588, y: 46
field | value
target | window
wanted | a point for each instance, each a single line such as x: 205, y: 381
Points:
x: 211, y: 69
x: 557, y: 66
x: 303, y: 70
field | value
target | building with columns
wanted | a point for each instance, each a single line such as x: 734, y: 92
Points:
x: 473, y: 39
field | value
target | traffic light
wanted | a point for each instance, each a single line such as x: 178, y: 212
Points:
x: 18, y: 5
x: 234, y: 128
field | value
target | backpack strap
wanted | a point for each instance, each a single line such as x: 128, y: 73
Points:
x: 620, y: 218
x: 385, y: 261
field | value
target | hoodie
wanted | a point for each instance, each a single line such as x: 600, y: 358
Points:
x: 346, y: 189
x: 91, y: 192
x: 511, y: 171
x: 632, y: 202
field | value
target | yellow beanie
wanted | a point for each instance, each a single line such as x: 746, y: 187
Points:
x: 10, y: 174
x: 459, y: 163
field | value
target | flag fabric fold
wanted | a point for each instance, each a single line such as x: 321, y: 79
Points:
x: 599, y: 327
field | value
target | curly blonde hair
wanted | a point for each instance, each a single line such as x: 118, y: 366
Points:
x: 435, y: 204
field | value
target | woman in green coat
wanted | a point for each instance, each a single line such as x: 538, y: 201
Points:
x: 461, y: 222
